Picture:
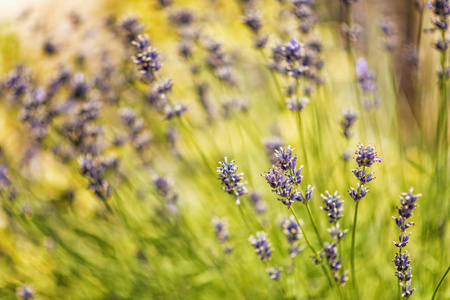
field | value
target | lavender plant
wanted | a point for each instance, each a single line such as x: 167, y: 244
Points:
x: 334, y: 209
x: 92, y: 86
x: 401, y: 260
x: 365, y: 158
x: 285, y: 178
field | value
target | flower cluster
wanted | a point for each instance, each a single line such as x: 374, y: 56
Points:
x: 334, y: 209
x: 349, y: 118
x: 137, y: 134
x: 163, y: 185
x: 274, y: 272
x: 231, y: 180
x: 4, y: 180
x: 252, y: 20
x: 366, y: 79
x: 365, y: 157
x: 297, y: 104
x: 441, y: 11
x: 146, y: 58
x: 220, y: 226
x: 219, y: 61
x: 401, y: 260
x: 293, y: 233
x: 93, y: 170
x: 304, y: 11
x: 264, y: 250
x: 390, y: 40
x: 262, y: 245
x: 131, y: 28
x: 284, y: 178
x: 259, y: 205
x: 26, y: 292
x: 221, y: 229
x: 333, y: 206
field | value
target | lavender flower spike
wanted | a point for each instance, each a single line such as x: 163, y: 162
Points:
x: 274, y: 272
x: 262, y: 245
x: 231, y: 180
x: 401, y: 260
x: 366, y: 156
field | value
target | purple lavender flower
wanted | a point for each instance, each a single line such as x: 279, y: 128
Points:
x: 261, y: 41
x: 259, y: 205
x: 93, y: 171
x: 401, y: 260
x: 181, y: 17
x: 334, y: 209
x: 79, y: 86
x: 221, y: 229
x: 366, y: 78
x: 358, y: 193
x: 274, y: 272
x: 262, y: 245
x: 336, y: 232
x: 163, y: 186
x: 141, y: 42
x: 50, y: 48
x: 4, y: 180
x: 131, y: 27
x: 440, y: 7
x: 293, y: 233
x: 148, y: 62
x: 253, y: 20
x: 291, y: 229
x: 361, y: 175
x: 333, y: 206
x: 25, y: 292
x: 295, y: 104
x: 284, y: 178
x: 390, y: 40
x: 285, y: 159
x: 405, y: 211
x: 348, y: 120
x: 176, y: 111
x: 366, y: 156
x: 231, y: 180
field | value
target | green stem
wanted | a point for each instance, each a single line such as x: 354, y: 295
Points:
x: 304, y: 233
x: 241, y: 211
x: 310, y: 246
x: 440, y: 282
x: 352, y: 254
x: 313, y: 222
